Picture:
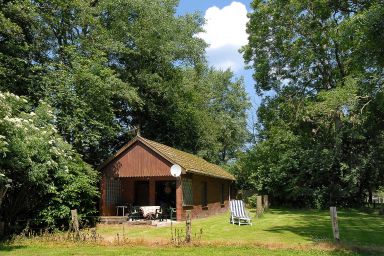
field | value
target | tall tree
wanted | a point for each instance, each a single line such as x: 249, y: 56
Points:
x: 309, y: 55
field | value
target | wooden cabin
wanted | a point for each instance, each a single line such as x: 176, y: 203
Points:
x: 139, y: 174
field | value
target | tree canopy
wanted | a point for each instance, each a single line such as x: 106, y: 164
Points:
x: 318, y: 66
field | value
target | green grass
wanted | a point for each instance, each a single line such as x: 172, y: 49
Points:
x: 278, y: 232
x: 76, y: 249
x: 293, y: 227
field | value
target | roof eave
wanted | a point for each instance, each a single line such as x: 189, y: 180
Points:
x: 210, y: 175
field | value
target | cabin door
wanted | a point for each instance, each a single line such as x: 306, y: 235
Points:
x: 142, y: 193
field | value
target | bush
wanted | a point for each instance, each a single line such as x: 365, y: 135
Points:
x: 48, y: 177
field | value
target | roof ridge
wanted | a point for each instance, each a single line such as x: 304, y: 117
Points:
x: 181, y: 151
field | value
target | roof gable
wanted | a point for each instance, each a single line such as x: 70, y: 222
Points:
x: 190, y: 162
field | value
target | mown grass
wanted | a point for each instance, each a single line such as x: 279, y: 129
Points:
x: 293, y: 227
x: 33, y: 250
x: 278, y: 232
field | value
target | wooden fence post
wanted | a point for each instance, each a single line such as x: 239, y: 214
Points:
x: 259, y: 206
x: 335, y: 225
x: 75, y: 223
x: 266, y: 202
x: 188, y: 226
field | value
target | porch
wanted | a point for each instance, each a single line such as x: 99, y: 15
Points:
x: 140, y: 198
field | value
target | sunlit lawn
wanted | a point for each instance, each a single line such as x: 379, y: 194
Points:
x: 278, y: 232
x: 277, y: 226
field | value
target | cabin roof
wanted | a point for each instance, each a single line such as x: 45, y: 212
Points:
x: 191, y: 163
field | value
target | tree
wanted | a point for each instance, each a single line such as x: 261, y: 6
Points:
x: 309, y: 55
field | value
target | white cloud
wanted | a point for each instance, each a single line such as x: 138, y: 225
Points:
x: 225, y: 32
x: 225, y: 26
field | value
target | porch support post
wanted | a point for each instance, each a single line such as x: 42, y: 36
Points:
x: 152, y: 191
x: 179, y: 199
x: 103, y: 187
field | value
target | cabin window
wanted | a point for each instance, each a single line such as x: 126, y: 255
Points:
x: 113, y: 191
x: 187, y: 192
x: 204, y: 195
x: 222, y: 198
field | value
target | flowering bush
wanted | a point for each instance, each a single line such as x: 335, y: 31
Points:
x: 48, y: 178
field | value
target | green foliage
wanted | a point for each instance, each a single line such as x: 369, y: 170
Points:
x: 107, y: 67
x: 48, y: 177
x: 318, y: 66
x: 206, y: 115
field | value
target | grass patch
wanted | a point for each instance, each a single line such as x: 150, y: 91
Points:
x: 138, y: 250
x: 278, y: 232
x: 293, y: 227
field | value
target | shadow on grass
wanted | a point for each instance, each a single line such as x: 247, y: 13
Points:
x: 8, y: 248
x: 360, y: 232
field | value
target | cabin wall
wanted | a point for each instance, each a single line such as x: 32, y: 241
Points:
x: 138, y: 161
x: 214, y: 193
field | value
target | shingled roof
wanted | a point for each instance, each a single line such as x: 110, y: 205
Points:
x: 191, y: 163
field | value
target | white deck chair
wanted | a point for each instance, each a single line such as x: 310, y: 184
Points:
x: 238, y: 213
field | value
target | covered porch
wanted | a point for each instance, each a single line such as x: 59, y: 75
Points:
x: 141, y: 197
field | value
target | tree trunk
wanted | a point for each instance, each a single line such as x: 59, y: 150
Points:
x: 370, y: 196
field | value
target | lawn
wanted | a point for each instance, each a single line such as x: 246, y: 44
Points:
x: 293, y: 227
x: 278, y: 232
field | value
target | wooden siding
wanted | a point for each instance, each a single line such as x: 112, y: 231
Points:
x: 138, y: 161
x: 214, y: 188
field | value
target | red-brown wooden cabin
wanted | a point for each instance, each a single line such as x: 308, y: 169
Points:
x: 139, y: 174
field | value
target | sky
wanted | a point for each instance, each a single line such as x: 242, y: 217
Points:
x: 225, y: 32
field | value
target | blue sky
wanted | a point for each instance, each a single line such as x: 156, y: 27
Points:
x: 225, y: 32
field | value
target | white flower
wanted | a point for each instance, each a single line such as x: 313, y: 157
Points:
x: 51, y: 142
x: 32, y: 114
x: 14, y: 120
